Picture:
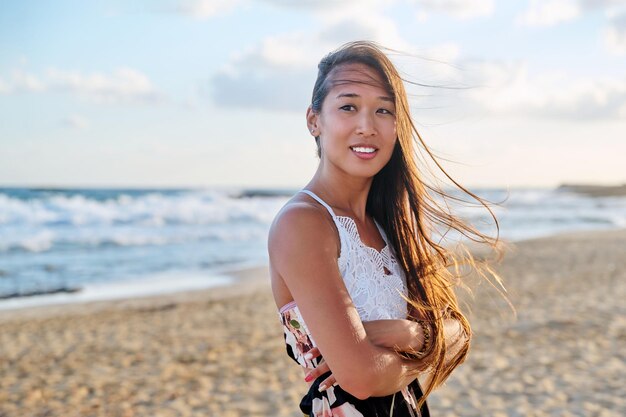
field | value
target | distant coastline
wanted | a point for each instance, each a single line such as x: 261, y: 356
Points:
x: 25, y: 191
x: 595, y: 190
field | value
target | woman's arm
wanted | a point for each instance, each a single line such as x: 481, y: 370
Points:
x: 454, y: 336
x: 407, y: 335
x: 303, y: 247
x: 402, y: 335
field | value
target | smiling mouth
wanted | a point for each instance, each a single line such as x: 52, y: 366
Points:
x: 363, y: 149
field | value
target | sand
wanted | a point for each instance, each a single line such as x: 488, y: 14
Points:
x: 220, y: 352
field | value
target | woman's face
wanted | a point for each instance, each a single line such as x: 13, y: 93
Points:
x: 357, y: 122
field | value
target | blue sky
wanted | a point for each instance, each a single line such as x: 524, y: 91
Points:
x: 214, y: 92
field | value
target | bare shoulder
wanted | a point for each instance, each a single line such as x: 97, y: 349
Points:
x: 306, y: 225
x: 303, y: 245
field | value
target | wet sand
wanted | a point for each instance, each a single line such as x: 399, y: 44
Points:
x: 220, y: 352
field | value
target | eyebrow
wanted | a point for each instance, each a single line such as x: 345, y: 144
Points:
x: 353, y: 95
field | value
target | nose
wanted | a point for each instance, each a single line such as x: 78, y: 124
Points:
x: 366, y: 125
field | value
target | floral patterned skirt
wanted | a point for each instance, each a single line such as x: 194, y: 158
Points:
x: 335, y: 402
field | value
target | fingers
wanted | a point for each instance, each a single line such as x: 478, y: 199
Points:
x: 312, y: 353
x: 327, y: 383
x: 321, y: 369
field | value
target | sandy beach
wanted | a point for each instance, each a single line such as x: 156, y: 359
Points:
x: 220, y: 352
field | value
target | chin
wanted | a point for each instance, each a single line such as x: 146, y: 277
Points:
x: 364, y: 172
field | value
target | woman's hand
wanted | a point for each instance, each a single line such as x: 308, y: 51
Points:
x: 398, y: 334
x: 321, y: 369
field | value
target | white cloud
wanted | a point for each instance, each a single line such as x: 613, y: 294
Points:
x: 204, y: 9
x: 549, y: 12
x: 122, y: 85
x: 460, y: 9
x: 445, y: 52
x: 4, y: 87
x: 599, y: 4
x: 286, y: 91
x: 434, y: 66
x: 421, y: 16
x: 332, y: 9
x: 509, y: 90
x: 74, y: 121
x: 615, y: 35
x: 322, y: 5
x: 363, y: 24
x: 275, y: 53
x: 552, y: 12
x: 23, y: 81
x: 279, y: 72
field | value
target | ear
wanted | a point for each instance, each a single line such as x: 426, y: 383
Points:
x: 311, y: 121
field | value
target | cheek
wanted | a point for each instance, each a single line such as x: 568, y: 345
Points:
x: 390, y: 131
x: 391, y: 137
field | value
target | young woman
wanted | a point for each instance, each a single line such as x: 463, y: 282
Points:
x: 364, y: 292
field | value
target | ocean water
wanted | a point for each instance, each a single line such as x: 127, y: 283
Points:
x: 108, y: 243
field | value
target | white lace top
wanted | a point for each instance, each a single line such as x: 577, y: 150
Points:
x: 375, y: 294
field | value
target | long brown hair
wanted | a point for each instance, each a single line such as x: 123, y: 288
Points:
x: 410, y: 210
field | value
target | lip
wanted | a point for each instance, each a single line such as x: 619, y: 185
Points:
x: 364, y: 145
x: 364, y: 155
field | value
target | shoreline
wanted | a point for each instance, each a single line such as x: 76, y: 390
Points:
x: 221, y: 352
x: 230, y: 282
x: 240, y: 282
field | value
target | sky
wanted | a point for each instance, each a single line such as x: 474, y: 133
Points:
x: 214, y: 93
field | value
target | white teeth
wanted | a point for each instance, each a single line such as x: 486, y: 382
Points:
x: 362, y: 149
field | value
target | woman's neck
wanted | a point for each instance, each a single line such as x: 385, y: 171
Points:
x: 345, y: 193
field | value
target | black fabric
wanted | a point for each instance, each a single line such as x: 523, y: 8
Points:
x: 370, y: 407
